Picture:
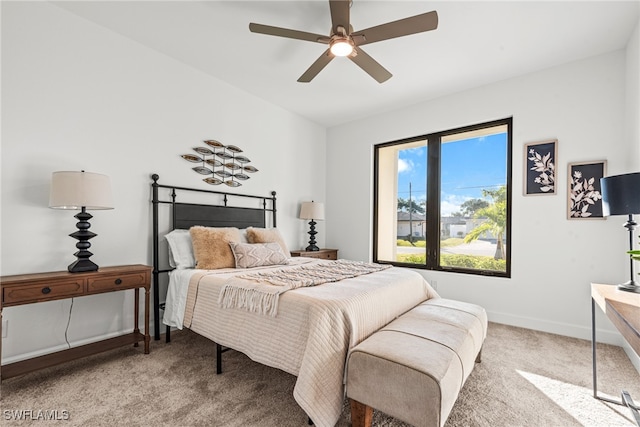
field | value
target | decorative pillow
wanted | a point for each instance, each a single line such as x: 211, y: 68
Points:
x: 257, y: 254
x: 180, y: 249
x: 243, y: 235
x: 211, y: 246
x: 267, y: 235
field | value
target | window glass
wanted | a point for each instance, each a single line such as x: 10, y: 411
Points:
x: 442, y: 201
x: 473, y: 210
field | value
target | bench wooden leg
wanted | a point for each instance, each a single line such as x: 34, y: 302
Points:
x: 361, y: 414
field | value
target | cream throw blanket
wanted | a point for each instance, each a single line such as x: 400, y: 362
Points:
x: 259, y: 292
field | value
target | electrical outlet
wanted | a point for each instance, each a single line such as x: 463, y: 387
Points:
x: 5, y: 328
x: 434, y: 284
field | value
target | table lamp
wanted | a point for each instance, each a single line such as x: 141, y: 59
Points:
x: 312, y: 211
x: 621, y: 196
x: 81, y: 190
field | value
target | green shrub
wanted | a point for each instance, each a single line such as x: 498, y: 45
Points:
x: 416, y: 243
x: 456, y: 260
x: 412, y: 258
x: 475, y: 262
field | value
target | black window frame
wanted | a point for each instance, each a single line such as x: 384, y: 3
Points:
x: 432, y: 261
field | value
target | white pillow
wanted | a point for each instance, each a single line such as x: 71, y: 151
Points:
x: 180, y: 249
x: 243, y: 235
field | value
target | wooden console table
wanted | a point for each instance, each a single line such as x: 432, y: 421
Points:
x: 623, y: 309
x: 33, y: 288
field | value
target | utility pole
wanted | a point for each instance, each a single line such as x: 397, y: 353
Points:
x: 410, y: 217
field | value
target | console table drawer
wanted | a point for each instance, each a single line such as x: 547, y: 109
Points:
x: 115, y: 282
x: 325, y: 255
x: 331, y: 254
x: 45, y: 291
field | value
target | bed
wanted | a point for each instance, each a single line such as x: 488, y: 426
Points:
x: 311, y: 329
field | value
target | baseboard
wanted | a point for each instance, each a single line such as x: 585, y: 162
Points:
x: 559, y: 328
x: 78, y: 343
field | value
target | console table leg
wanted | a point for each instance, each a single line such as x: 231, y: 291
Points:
x: 593, y: 347
x: 136, y: 313
x: 147, y: 336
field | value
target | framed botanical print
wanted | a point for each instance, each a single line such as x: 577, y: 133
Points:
x: 540, y: 167
x: 583, y: 192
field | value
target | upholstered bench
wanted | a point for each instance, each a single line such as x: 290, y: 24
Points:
x: 414, y: 368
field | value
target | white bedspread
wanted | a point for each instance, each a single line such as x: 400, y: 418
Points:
x: 314, y: 329
x: 176, y: 298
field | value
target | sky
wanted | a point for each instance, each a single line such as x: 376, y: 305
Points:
x: 467, y: 167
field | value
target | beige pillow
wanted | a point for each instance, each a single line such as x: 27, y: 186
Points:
x: 267, y: 235
x: 211, y: 246
x: 249, y: 255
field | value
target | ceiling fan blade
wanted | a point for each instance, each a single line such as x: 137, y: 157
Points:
x: 284, y: 32
x: 371, y: 66
x: 402, y: 27
x: 316, y: 67
x: 339, y: 15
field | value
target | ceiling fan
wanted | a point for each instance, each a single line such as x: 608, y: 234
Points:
x: 343, y: 41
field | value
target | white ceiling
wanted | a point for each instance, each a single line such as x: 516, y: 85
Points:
x: 476, y: 43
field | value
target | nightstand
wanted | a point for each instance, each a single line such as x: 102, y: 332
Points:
x: 33, y: 288
x: 321, y: 254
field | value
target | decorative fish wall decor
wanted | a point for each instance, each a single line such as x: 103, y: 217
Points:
x: 228, y: 167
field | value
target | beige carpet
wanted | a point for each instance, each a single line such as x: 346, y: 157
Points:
x: 526, y: 378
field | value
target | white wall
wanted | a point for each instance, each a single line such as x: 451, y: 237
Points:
x: 76, y: 96
x: 554, y: 260
x: 632, y: 105
x: 632, y: 128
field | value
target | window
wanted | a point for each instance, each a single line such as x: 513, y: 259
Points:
x: 443, y: 201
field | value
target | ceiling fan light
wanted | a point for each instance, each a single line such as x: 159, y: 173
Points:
x: 342, y: 47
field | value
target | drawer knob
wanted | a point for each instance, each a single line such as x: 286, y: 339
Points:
x: 118, y: 281
x: 46, y: 290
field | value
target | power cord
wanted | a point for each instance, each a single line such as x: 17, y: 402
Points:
x: 66, y: 338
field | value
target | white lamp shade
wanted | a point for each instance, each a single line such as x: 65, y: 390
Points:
x: 312, y: 210
x: 74, y: 190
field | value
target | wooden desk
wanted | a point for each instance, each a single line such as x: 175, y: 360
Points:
x: 33, y: 288
x: 623, y: 309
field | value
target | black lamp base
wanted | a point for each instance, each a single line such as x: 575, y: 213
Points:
x: 83, y: 263
x: 630, y: 286
x: 312, y: 238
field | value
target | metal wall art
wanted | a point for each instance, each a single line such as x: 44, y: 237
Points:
x: 225, y: 163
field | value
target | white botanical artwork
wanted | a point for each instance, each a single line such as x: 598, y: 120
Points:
x: 540, y: 167
x: 585, y: 197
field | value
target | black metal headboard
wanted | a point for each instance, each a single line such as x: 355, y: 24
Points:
x: 212, y: 209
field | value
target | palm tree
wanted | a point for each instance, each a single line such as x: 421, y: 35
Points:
x: 496, y: 219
